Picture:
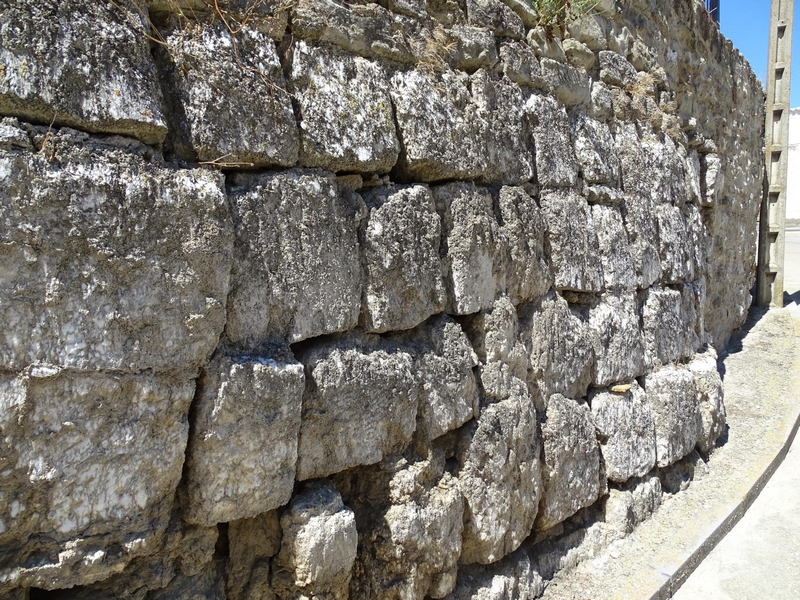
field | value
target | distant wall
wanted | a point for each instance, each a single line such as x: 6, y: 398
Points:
x: 378, y: 300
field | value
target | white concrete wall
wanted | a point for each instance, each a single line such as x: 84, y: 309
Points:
x: 793, y: 184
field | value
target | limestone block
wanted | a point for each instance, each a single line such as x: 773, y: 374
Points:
x: 110, y: 261
x: 710, y: 396
x: 252, y: 543
x: 677, y: 249
x: 589, y: 30
x: 663, y: 326
x: 615, y: 70
x: 642, y: 227
x: 367, y: 30
x: 571, y: 457
x: 579, y: 55
x: 90, y: 463
x: 556, y: 164
x: 693, y: 300
x: 545, y: 44
x: 619, y: 272
x: 318, y: 547
x: 500, y: 477
x: 297, y: 271
x: 524, y: 11
x: 570, y: 85
x: 345, y: 112
x: 693, y: 176
x: 574, y: 247
x: 672, y: 396
x: 602, y: 104
x: 208, y: 584
x: 513, y: 578
x: 712, y: 179
x: 360, y: 404
x: 700, y: 238
x: 520, y: 64
x: 471, y: 47
x: 52, y: 53
x: 619, y: 344
x: 561, y: 347
x: 243, y: 449
x: 528, y: 275
x: 473, y: 245
x: 632, y: 503
x: 594, y: 147
x: 625, y: 431
x: 400, y: 243
x: 231, y: 97
x: 441, y: 138
x: 496, y: 16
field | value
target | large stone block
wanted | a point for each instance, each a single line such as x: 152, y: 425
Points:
x: 710, y: 394
x: 84, y: 64
x: 619, y: 270
x: 360, y: 404
x: 473, y: 245
x: 626, y: 432
x: 251, y: 544
x: 500, y: 477
x: 90, y: 463
x: 400, y: 243
x: 109, y: 261
x: 232, y: 106
x: 619, y: 345
x: 574, y: 247
x: 345, y: 112
x: 570, y: 85
x: 496, y: 16
x: 243, y: 449
x: 571, y: 457
x: 677, y: 244
x: 641, y: 224
x: 672, y: 396
x: 666, y: 325
x: 594, y: 148
x: 297, y: 271
x: 556, y: 163
x: 520, y: 64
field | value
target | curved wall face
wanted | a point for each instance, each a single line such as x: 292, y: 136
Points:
x: 380, y: 300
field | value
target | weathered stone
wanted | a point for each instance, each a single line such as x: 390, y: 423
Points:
x: 524, y: 11
x: 318, y: 547
x: 663, y: 326
x: 579, y: 55
x: 672, y: 396
x: 556, y: 164
x: 208, y: 584
x: 709, y: 399
x: 693, y: 300
x: 574, y: 247
x: 251, y: 544
x: 400, y: 243
x: 615, y: 70
x: 441, y: 138
x: 712, y: 179
x: 243, y: 449
x: 676, y: 244
x: 633, y: 503
x: 602, y: 105
x: 571, y: 470
x: 360, y: 404
x: 473, y: 246
x: 619, y: 346
x: 625, y: 432
x: 496, y: 16
x: 528, y: 275
x: 471, y: 48
x: 561, y: 347
x: 500, y: 478
x: 589, y: 30
x: 513, y: 578
x: 520, y: 64
x: 545, y: 44
x: 85, y: 65
x: 232, y: 104
x: 346, y: 120
x: 112, y: 262
x: 570, y: 85
x: 90, y: 463
x: 619, y: 272
x: 594, y: 147
x: 294, y: 230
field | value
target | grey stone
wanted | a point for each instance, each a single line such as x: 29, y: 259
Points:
x: 473, y: 247
x: 709, y: 398
x: 318, y: 546
x: 619, y: 272
x: 663, y: 326
x: 208, y: 584
x: 625, y: 431
x: 471, y: 48
x: 496, y: 16
x: 112, y: 261
x: 602, y: 105
x: 615, y: 70
x: 589, y: 30
x: 642, y: 227
x: 579, y: 55
x: 232, y: 104
x: 570, y: 85
x: 561, y: 347
x: 294, y: 230
x: 513, y: 578
x: 501, y: 480
x: 400, y: 243
x: 90, y: 463
x: 712, y: 179
x: 345, y: 112
x: 672, y: 396
x: 520, y: 64
x: 556, y: 164
x: 242, y: 453
x: 524, y: 10
x: 571, y: 457
x: 52, y: 54
x: 676, y: 244
x: 545, y: 44
x: 528, y: 274
x: 360, y: 404
x: 574, y: 246
x: 594, y: 148
x: 629, y: 505
x: 619, y: 344
x: 251, y: 544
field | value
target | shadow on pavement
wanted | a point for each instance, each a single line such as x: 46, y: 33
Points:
x: 754, y: 315
x: 791, y: 298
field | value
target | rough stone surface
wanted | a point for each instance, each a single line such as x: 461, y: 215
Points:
x: 615, y: 251
x: 556, y: 163
x: 594, y: 148
x: 242, y: 453
x: 672, y: 395
x: 663, y: 326
x: 51, y: 54
x: 619, y: 345
x: 709, y: 398
x: 297, y: 271
x: 252, y: 543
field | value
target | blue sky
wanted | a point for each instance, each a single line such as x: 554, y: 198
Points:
x: 746, y: 23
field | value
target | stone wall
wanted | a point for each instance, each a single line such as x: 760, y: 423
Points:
x: 381, y: 300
